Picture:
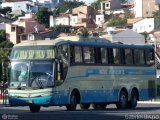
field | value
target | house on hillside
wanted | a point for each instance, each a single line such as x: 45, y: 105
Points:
x: 145, y: 8
x: 110, y: 6
x: 141, y: 25
x: 26, y: 29
x: 24, y: 5
x: 124, y: 36
x: 82, y: 16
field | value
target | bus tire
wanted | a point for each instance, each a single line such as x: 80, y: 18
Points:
x: 123, y: 100
x: 84, y: 106
x: 99, y: 106
x: 73, y: 102
x: 34, y: 108
x: 134, y: 99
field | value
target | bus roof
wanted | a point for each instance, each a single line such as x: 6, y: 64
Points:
x: 75, y: 40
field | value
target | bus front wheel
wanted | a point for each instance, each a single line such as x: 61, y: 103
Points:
x: 84, y: 106
x: 34, y: 108
x: 134, y: 99
x: 123, y: 100
x: 73, y: 102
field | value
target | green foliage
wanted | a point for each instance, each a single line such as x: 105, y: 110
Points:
x: 145, y: 34
x: 156, y: 15
x: 97, y: 4
x: 117, y: 21
x: 5, y: 10
x: 83, y: 32
x: 43, y: 16
x: 62, y: 28
x: 2, y: 35
x: 66, y: 5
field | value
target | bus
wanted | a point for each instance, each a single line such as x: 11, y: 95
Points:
x: 85, y: 71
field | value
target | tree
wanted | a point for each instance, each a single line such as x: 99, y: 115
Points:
x: 66, y: 5
x: 5, y: 49
x: 97, y: 4
x: 43, y: 16
x: 83, y: 32
x: 117, y: 21
x: 2, y: 35
x: 5, y: 10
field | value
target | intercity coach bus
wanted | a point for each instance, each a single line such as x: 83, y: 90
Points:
x: 67, y: 72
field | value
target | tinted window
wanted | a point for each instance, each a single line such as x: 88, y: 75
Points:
x: 149, y: 57
x: 104, y: 55
x: 128, y: 56
x: 139, y: 57
x: 89, y: 54
x: 116, y: 56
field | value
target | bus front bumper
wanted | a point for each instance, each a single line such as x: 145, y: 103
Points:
x: 44, y: 100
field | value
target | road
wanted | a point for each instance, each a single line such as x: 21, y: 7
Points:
x: 144, y: 111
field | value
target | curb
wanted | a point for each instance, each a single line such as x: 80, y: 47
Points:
x: 149, y: 102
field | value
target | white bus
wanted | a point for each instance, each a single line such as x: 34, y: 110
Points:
x: 86, y: 71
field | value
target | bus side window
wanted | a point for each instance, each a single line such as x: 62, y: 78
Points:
x: 128, y: 56
x: 89, y: 54
x: 78, y: 54
x: 75, y: 54
x: 117, y: 56
x: 150, y: 57
x: 64, y: 51
x: 139, y: 57
x: 104, y: 55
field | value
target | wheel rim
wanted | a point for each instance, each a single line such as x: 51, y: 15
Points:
x: 123, y: 100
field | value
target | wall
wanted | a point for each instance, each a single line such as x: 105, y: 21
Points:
x: 138, y: 8
x: 145, y: 25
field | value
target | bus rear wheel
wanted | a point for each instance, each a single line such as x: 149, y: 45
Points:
x: 134, y: 99
x: 84, y: 106
x: 123, y: 100
x: 99, y: 106
x: 73, y: 102
x: 34, y: 108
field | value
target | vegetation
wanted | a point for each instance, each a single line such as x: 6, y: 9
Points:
x: 62, y: 28
x: 145, y: 34
x: 5, y: 48
x: 66, y: 5
x: 97, y: 4
x: 83, y: 32
x: 117, y: 21
x: 156, y: 15
x: 43, y: 16
x: 5, y: 10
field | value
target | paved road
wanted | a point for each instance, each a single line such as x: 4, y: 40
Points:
x: 144, y: 111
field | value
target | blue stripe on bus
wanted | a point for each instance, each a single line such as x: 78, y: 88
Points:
x: 114, y: 72
x: 120, y: 72
x: 87, y: 96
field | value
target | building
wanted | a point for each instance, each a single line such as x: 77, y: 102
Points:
x: 100, y: 20
x: 60, y: 20
x: 141, y: 25
x: 82, y: 16
x: 109, y: 6
x: 24, y: 5
x: 145, y: 8
x: 26, y: 29
x: 50, y: 4
x: 124, y: 36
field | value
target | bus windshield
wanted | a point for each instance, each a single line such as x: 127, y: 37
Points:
x: 32, y: 52
x: 31, y: 74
